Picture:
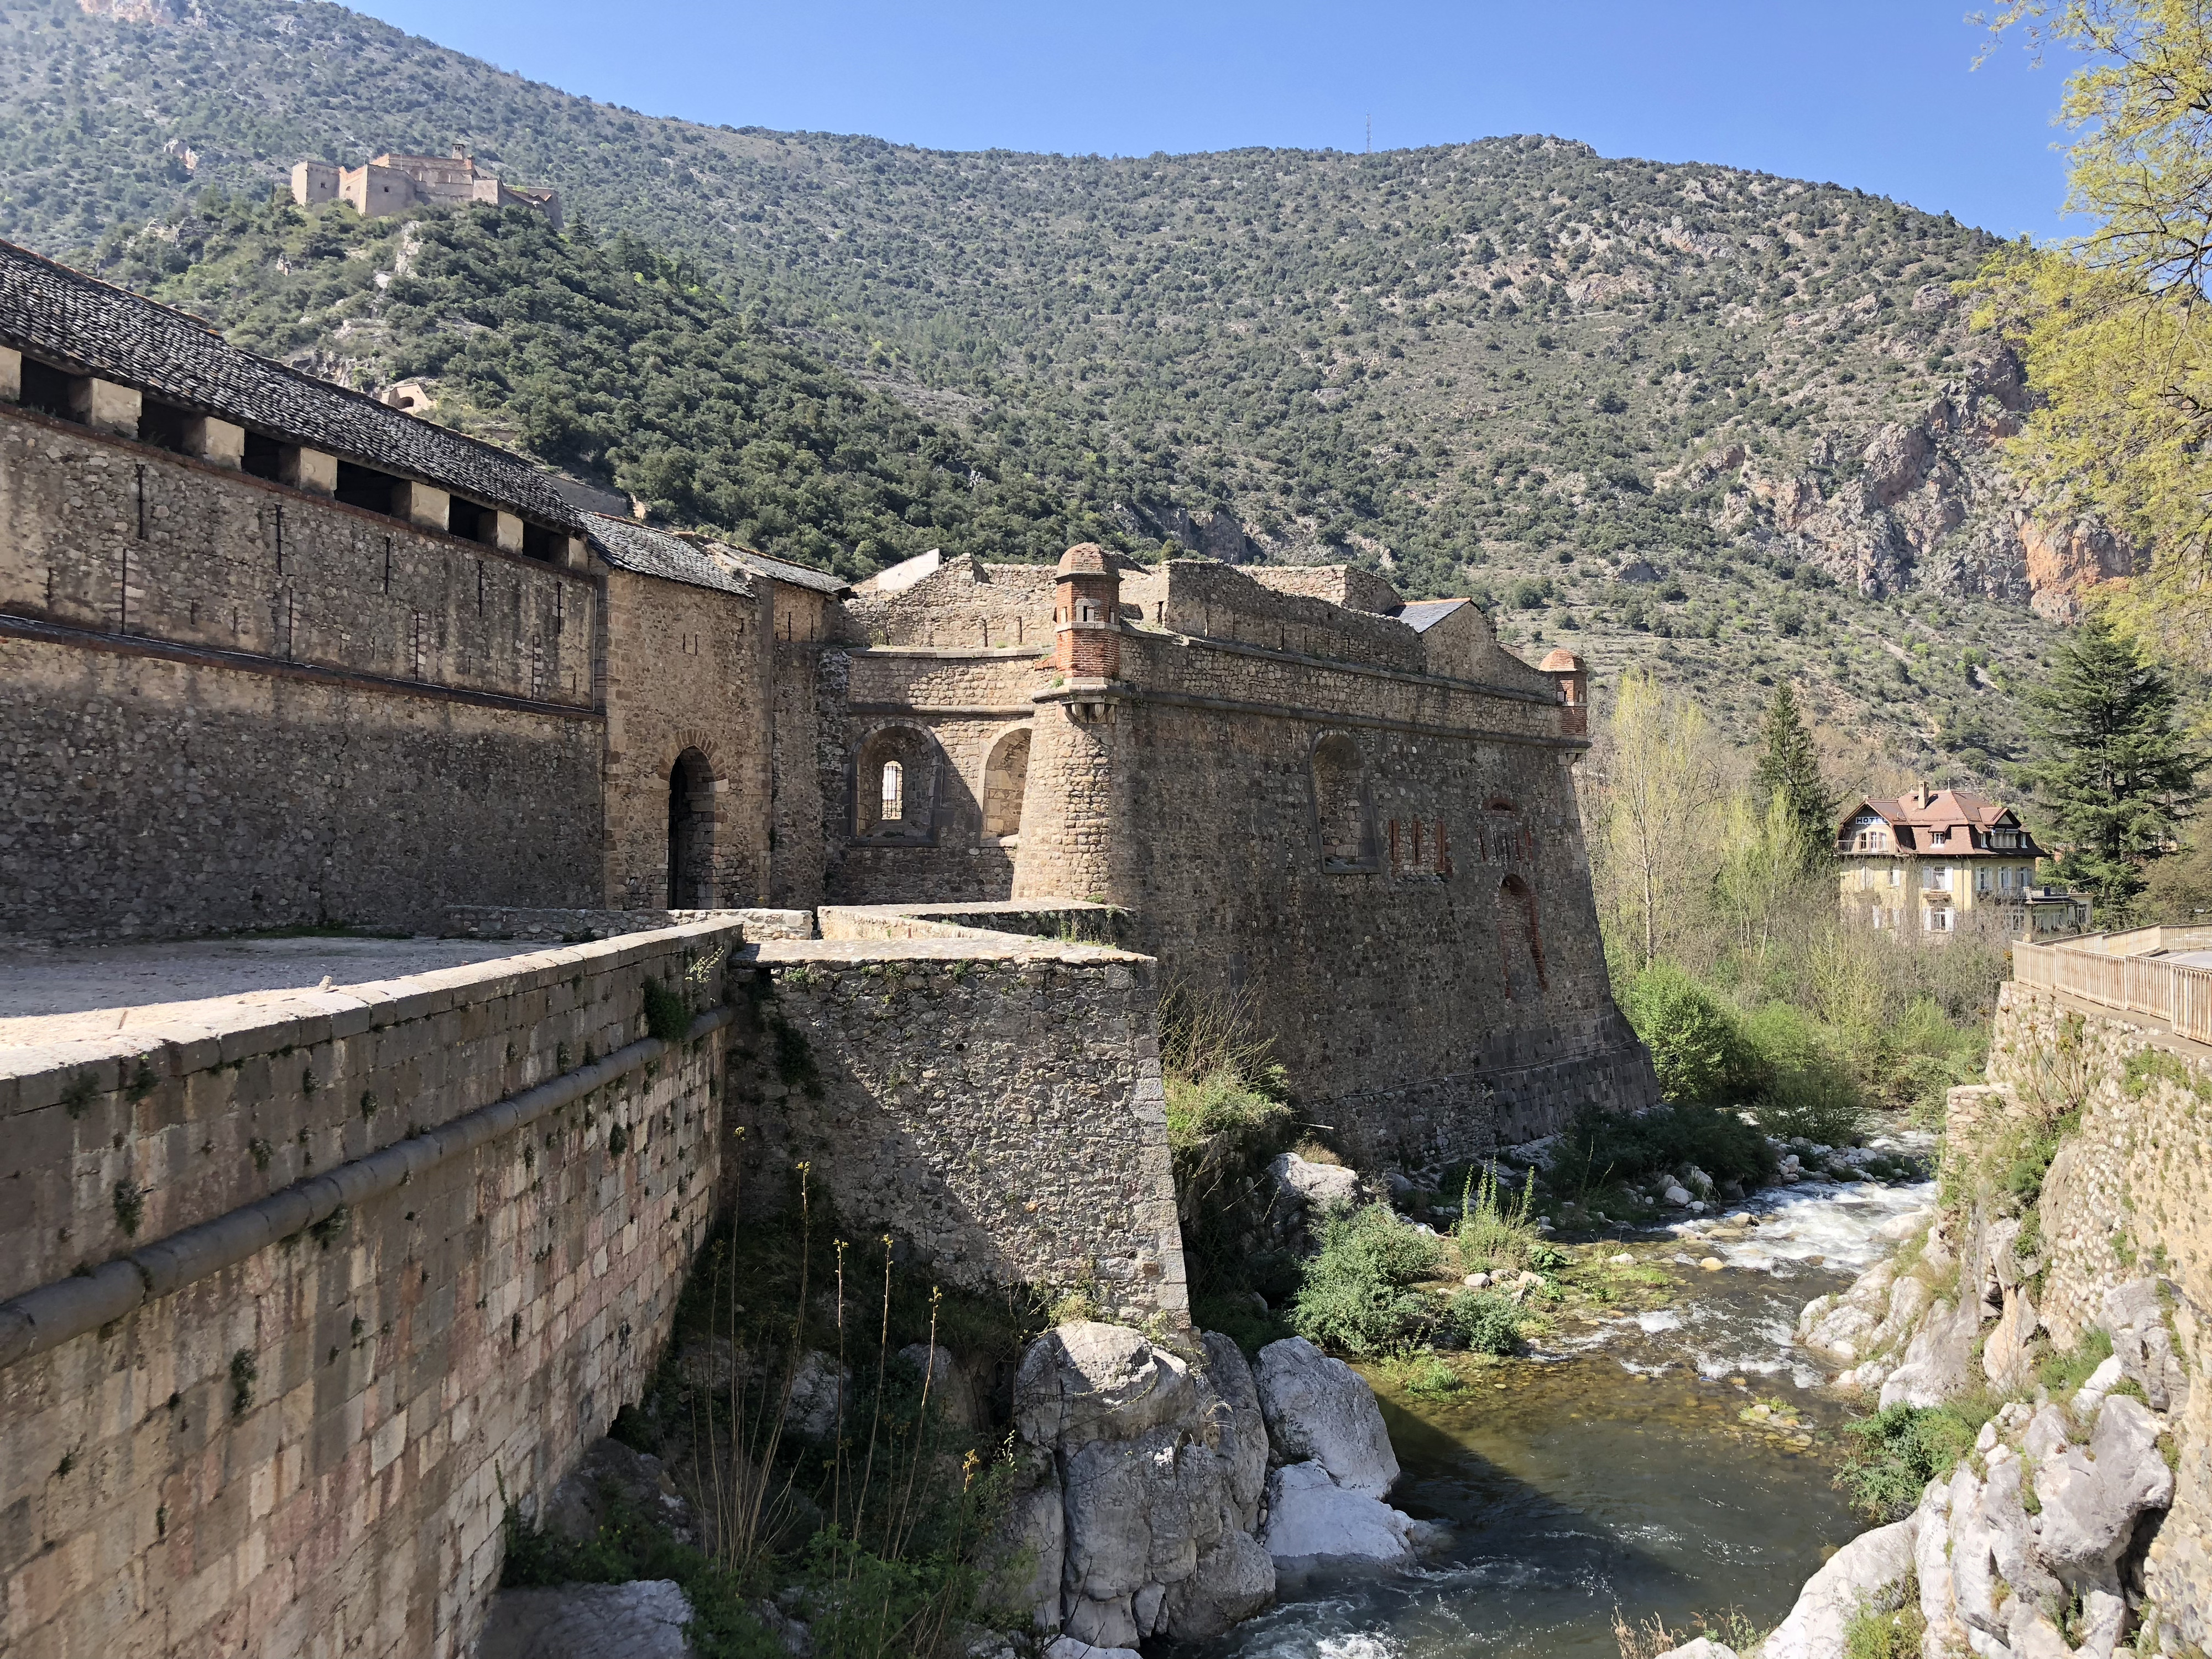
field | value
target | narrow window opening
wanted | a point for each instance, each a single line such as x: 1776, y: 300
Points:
x: 894, y: 794
x: 46, y: 389
x: 362, y: 487
x: 263, y: 458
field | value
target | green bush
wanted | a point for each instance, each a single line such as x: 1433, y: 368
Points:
x: 1482, y: 1320
x: 1495, y: 1231
x: 1600, y: 1147
x: 1808, y: 1092
x: 1696, y: 1043
x: 1889, y: 1457
x: 1354, y: 1298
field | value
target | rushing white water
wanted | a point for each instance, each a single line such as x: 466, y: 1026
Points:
x: 1610, y: 1470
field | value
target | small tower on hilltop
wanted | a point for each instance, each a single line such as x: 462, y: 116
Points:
x: 1087, y: 608
x: 1572, y: 674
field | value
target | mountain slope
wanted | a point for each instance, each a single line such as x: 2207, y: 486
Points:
x: 1725, y: 422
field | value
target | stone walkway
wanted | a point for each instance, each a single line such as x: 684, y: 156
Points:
x: 50, y: 993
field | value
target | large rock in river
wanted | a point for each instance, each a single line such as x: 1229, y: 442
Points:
x: 1320, y: 1409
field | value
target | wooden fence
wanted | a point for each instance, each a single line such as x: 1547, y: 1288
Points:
x: 2099, y: 968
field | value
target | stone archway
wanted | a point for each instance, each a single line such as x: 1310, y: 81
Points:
x: 690, y: 833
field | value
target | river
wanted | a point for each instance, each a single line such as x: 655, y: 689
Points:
x: 1612, y: 1469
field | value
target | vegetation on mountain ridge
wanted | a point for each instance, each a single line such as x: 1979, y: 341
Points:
x: 1477, y: 367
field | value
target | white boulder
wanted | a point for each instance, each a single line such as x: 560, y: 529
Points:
x: 1310, y: 1517
x: 1086, y: 1380
x: 2091, y: 1500
x: 1869, y: 1573
x: 1320, y: 1409
x: 1319, y: 1185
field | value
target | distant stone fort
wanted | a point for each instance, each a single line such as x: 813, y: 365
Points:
x: 394, y: 182
x: 301, y: 1290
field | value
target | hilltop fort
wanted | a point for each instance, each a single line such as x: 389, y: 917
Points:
x: 394, y: 182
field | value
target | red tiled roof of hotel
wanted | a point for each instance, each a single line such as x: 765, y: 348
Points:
x: 1963, y: 820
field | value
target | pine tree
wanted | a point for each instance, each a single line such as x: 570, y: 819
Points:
x: 2113, y: 774
x: 1789, y: 771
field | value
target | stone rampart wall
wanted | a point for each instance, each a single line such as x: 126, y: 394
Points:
x: 1203, y: 600
x: 307, y: 1447
x: 235, y: 704
x: 122, y: 537
x: 149, y: 796
x: 2129, y: 1196
x: 996, y: 1105
x: 962, y: 704
x: 963, y: 603
x: 1431, y: 969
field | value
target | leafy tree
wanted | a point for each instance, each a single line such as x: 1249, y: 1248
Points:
x: 1787, y: 771
x: 2113, y: 772
x: 2114, y: 325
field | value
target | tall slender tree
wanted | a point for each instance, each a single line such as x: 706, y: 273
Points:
x: 1788, y: 771
x: 2114, y: 772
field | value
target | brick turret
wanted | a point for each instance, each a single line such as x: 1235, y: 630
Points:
x: 1086, y: 639
x: 1572, y: 674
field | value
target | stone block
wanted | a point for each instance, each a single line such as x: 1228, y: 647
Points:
x: 310, y: 470
x: 104, y: 406
x: 219, y: 443
x: 11, y: 373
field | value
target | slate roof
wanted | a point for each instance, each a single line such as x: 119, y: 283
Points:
x: 629, y: 546
x: 797, y: 575
x: 79, y: 323
x: 1422, y: 615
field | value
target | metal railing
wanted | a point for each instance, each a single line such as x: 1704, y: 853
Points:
x: 2115, y: 970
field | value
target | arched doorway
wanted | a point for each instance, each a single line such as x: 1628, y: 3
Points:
x: 1005, y: 779
x: 690, y: 833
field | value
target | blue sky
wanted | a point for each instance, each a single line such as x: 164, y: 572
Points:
x: 1879, y: 94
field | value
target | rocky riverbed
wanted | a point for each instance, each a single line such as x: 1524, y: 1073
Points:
x: 1670, y: 1462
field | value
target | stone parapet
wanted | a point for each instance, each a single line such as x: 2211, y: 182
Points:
x: 294, y: 1439
x: 993, y: 1101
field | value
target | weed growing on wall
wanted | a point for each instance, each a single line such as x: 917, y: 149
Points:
x: 1226, y: 1120
x: 803, y: 1408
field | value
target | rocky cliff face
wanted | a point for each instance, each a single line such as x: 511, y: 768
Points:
x: 2077, y: 1184
x: 1923, y: 503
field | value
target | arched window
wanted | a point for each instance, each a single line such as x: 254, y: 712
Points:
x: 1005, y: 781
x: 1520, y: 941
x: 895, y: 785
x: 1342, y: 813
x: 690, y: 833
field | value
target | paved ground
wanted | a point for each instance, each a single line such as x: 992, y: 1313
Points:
x: 70, y: 990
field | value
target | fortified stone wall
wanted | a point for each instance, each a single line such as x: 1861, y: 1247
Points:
x: 944, y: 715
x: 997, y: 1104
x: 240, y: 705
x: 123, y: 538
x: 964, y: 603
x: 1387, y: 868
x: 1345, y: 585
x: 352, y: 1304
x: 1221, y: 602
x: 156, y: 797
x: 2128, y: 1198
x: 688, y: 670
x: 797, y: 853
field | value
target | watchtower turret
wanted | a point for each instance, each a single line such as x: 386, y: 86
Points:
x: 1087, y: 608
x: 1572, y: 675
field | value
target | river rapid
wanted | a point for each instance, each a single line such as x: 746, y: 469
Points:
x: 1612, y: 1469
